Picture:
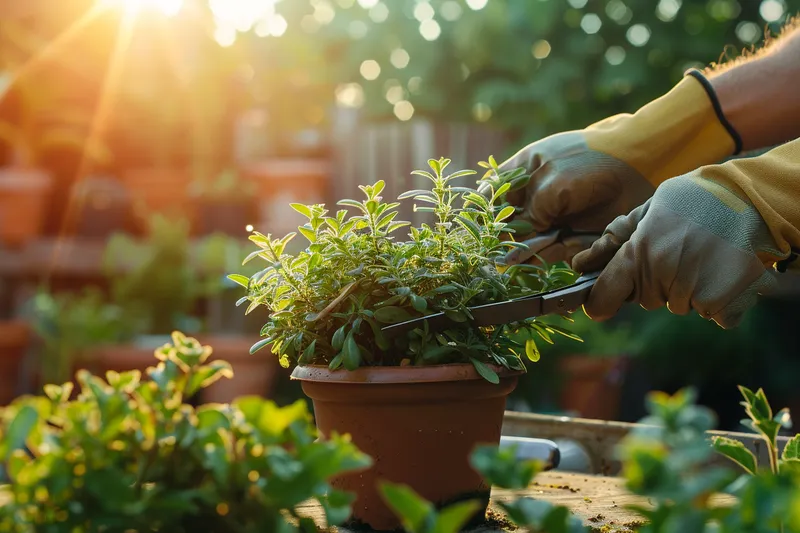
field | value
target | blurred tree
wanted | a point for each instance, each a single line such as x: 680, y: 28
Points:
x: 530, y: 67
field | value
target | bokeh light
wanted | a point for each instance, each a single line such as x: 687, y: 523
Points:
x: 638, y: 34
x: 399, y: 58
x: 379, y: 13
x: 591, y: 23
x: 772, y: 10
x: 615, y: 55
x: 541, y: 49
x: 423, y: 11
x: 350, y: 95
x: 667, y: 10
x: 477, y: 5
x: 451, y: 10
x: 482, y: 112
x: 370, y: 69
x: 430, y: 30
x: 404, y: 110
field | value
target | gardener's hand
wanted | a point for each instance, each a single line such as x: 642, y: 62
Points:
x: 584, y: 179
x: 694, y: 245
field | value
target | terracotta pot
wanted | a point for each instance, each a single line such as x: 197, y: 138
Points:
x: 157, y: 190
x: 15, y: 336
x: 591, y: 385
x: 252, y: 374
x: 419, y: 424
x: 285, y: 181
x: 23, y: 204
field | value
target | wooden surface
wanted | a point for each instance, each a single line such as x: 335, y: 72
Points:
x: 599, y: 501
x: 599, y: 437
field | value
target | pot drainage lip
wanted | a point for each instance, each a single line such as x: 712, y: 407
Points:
x: 395, y: 374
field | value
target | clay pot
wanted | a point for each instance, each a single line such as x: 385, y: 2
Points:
x: 14, y: 338
x: 23, y: 204
x: 419, y: 424
x: 161, y: 190
x: 281, y: 182
x: 591, y: 385
x: 252, y: 374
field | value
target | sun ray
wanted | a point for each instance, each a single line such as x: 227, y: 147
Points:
x: 40, y: 50
x: 101, y: 111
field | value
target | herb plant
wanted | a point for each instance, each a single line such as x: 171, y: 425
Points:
x: 130, y: 455
x: 761, y: 420
x: 667, y: 462
x: 500, y: 468
x: 329, y: 302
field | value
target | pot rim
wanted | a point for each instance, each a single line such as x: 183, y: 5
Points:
x: 376, y: 375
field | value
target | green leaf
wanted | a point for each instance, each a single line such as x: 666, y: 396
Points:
x: 338, y: 338
x: 500, y: 467
x: 302, y: 209
x: 564, y: 332
x: 308, y: 233
x: 736, y: 452
x: 308, y: 354
x: 470, y: 226
x: 454, y: 517
x: 18, y: 430
x: 784, y: 418
x: 792, y: 448
x: 790, y: 466
x: 391, y: 315
x: 504, y: 213
x: 351, y: 352
x: 415, y: 193
x: 260, y: 344
x: 336, y: 362
x: 244, y: 281
x: 532, y: 351
x: 486, y: 373
x: 418, y: 302
x: 410, y: 507
x: 519, y: 227
x: 336, y: 505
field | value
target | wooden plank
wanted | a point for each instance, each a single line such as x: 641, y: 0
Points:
x: 599, y: 501
x: 599, y: 437
x: 67, y: 258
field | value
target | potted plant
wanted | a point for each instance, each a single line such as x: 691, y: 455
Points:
x: 45, y: 121
x: 420, y: 402
x: 81, y: 330
x: 156, y: 463
x: 225, y: 204
x: 14, y: 341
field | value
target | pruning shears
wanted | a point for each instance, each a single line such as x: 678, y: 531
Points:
x: 561, y: 300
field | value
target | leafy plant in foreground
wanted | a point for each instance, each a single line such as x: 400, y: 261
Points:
x: 500, y: 468
x: 329, y: 302
x: 129, y: 455
x: 666, y: 461
x: 761, y: 420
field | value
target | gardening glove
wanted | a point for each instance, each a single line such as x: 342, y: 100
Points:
x: 584, y: 179
x: 708, y: 240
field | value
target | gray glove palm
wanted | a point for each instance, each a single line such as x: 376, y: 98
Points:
x: 694, y: 245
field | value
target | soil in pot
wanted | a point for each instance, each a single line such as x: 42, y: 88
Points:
x: 15, y: 336
x: 24, y: 196
x: 591, y: 385
x: 419, y: 424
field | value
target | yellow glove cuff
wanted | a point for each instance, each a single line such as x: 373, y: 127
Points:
x: 771, y: 182
x: 672, y: 135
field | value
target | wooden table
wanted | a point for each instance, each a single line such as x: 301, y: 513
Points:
x: 599, y: 501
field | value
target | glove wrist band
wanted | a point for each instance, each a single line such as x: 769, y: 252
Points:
x: 712, y: 95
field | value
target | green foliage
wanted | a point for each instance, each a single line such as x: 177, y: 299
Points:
x: 499, y: 468
x: 419, y: 515
x: 667, y: 461
x: 158, y: 283
x: 228, y: 185
x: 130, y: 454
x: 762, y: 421
x: 70, y: 324
x: 329, y: 302
x: 535, y: 67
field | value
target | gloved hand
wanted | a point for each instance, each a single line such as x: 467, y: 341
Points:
x: 707, y: 240
x: 584, y: 179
